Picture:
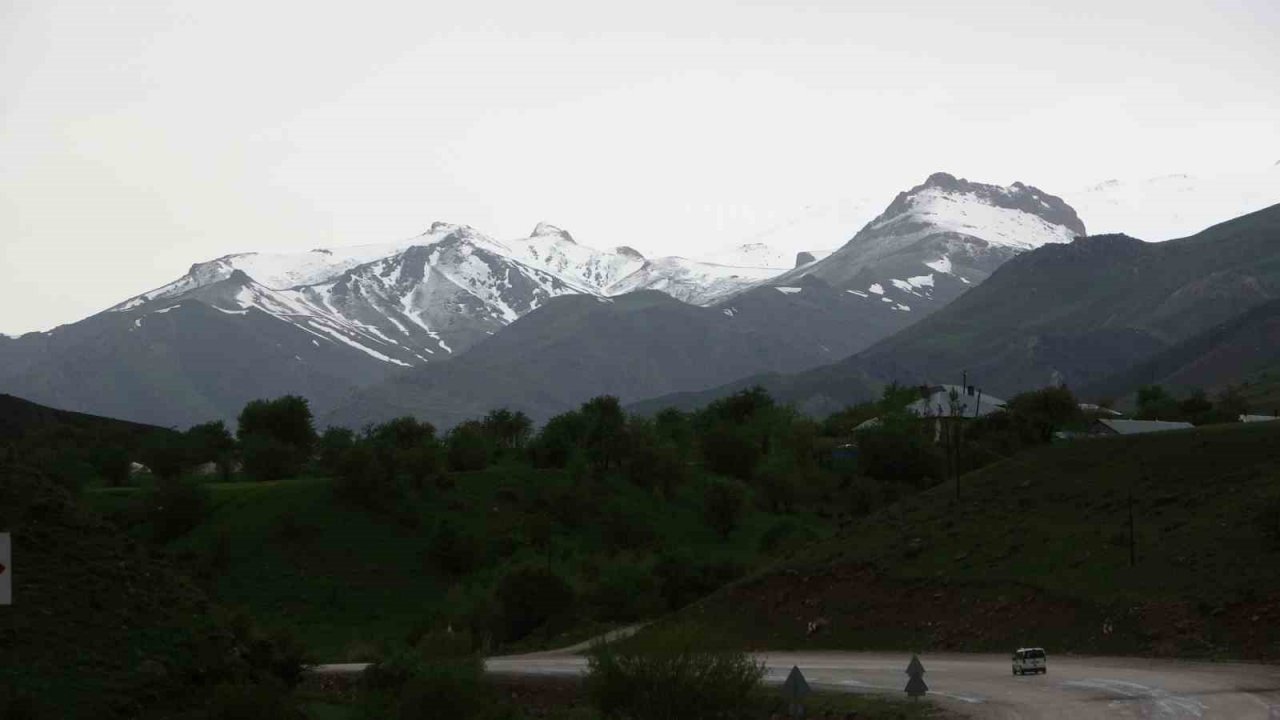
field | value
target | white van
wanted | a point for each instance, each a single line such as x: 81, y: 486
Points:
x: 1030, y: 660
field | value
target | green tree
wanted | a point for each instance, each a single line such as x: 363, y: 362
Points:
x: 469, y: 447
x: 899, y: 450
x: 731, y: 450
x: 276, y: 436
x: 1230, y: 404
x: 111, y: 463
x: 406, y: 448
x: 741, y: 407
x: 212, y: 442
x: 1047, y: 410
x: 287, y: 419
x: 267, y: 458
x: 334, y: 444
x: 166, y: 454
x: 1196, y: 408
x: 722, y: 506
x: 605, y: 440
x: 1155, y: 403
x: 653, y: 461
x: 508, y: 430
x: 559, y: 440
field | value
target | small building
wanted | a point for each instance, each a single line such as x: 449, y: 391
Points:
x: 935, y: 404
x: 970, y: 402
x: 1092, y: 409
x: 1109, y: 426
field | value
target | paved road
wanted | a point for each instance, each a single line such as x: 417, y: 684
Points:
x: 982, y: 686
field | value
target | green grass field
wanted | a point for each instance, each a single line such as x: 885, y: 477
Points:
x: 346, y: 579
x: 1037, y: 552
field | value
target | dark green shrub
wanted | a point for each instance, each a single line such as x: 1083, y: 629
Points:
x: 252, y: 701
x: 111, y: 463
x: 445, y: 689
x: 528, y: 598
x: 731, y: 450
x: 1268, y: 521
x: 683, y: 579
x: 722, y: 506
x: 673, y: 682
x: 266, y: 458
x: 785, y: 533
x: 626, y: 591
x: 414, y: 683
x: 453, y: 551
x: 900, y: 449
x: 175, y: 508
x: 363, y: 480
x: 624, y: 529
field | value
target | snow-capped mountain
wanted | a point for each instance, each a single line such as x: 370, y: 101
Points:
x: 1174, y: 206
x: 939, y: 238
x: 763, y: 255
x: 327, y: 323
x: 691, y: 281
x: 437, y: 293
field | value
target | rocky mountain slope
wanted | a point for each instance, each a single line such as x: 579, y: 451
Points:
x: 1072, y: 313
x: 940, y: 238
x: 1245, y: 350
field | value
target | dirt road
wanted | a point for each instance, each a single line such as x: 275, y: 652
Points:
x: 982, y: 686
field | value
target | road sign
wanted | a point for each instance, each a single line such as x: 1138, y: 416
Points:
x: 6, y: 570
x: 915, y: 683
x: 796, y: 687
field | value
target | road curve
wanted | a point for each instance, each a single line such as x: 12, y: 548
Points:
x: 982, y: 686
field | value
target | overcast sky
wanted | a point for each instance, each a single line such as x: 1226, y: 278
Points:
x: 139, y: 137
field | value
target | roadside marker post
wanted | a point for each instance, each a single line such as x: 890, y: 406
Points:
x: 6, y: 569
x: 915, y: 683
x: 796, y: 687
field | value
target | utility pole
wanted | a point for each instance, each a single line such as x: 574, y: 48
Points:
x: 1133, y: 552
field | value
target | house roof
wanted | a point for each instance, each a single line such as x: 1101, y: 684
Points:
x: 1138, y: 427
x: 1090, y: 407
x: 938, y: 404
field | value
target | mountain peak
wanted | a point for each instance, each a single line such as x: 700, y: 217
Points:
x: 943, y: 180
x: 629, y: 251
x: 546, y: 229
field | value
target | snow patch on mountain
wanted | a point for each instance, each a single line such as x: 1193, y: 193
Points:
x: 691, y: 281
x: 966, y: 213
x: 941, y: 265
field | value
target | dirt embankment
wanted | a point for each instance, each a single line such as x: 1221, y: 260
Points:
x: 855, y: 606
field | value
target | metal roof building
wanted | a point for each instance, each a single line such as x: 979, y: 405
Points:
x: 1109, y: 426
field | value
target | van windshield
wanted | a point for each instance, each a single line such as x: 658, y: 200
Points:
x: 1034, y: 655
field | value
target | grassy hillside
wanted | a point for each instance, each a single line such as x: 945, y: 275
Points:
x: 1037, y: 552
x: 101, y: 628
x: 346, y: 579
